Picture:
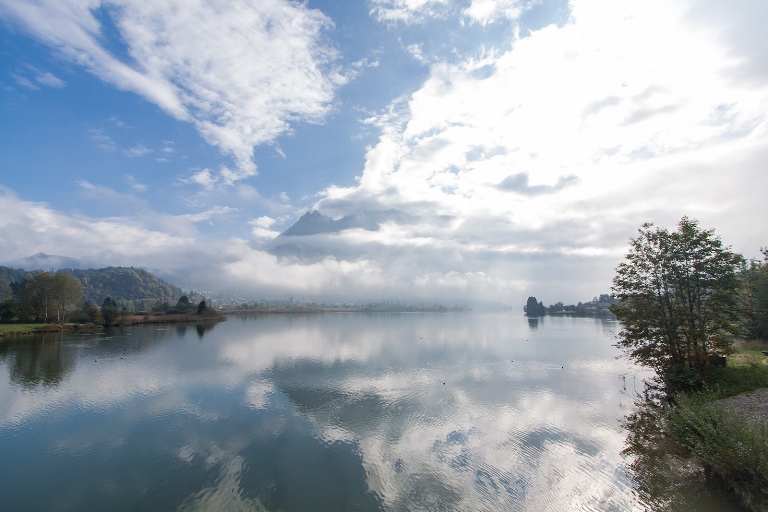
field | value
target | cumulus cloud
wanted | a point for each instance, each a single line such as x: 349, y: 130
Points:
x: 241, y: 72
x: 611, y: 132
x: 525, y: 167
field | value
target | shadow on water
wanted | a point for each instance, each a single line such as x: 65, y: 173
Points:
x: 535, y: 323
x: 666, y: 477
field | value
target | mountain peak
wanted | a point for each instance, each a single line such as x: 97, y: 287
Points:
x: 311, y: 223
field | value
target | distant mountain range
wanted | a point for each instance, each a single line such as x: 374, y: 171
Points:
x: 42, y: 261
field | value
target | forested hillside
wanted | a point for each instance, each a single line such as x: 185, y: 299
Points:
x: 122, y: 284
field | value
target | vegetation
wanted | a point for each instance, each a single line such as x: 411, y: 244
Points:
x: 679, y: 301
x: 684, y: 298
x: 70, y: 295
x: 754, y: 297
x: 735, y: 449
x: 534, y: 308
x: 131, y: 288
x: 125, y: 285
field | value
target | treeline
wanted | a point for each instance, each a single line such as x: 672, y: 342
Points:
x: 291, y: 305
x: 597, y: 306
x: 130, y: 287
x: 87, y: 296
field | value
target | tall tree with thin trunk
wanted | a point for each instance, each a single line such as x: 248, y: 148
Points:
x: 67, y: 292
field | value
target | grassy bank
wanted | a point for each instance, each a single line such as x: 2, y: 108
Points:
x: 730, y: 435
x: 7, y: 330
x: 21, y: 329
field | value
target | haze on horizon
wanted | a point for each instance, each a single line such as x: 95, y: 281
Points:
x: 520, y: 143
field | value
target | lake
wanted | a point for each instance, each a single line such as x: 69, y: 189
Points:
x: 334, y: 411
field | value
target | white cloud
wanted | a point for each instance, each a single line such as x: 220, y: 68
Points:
x: 260, y: 227
x: 25, y: 82
x: 103, y: 140
x: 488, y: 11
x: 216, y: 211
x: 134, y: 184
x: 409, y: 11
x: 50, y: 80
x: 526, y: 167
x: 561, y: 145
x: 241, y: 72
x: 137, y: 151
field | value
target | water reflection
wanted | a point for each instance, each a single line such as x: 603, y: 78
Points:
x: 39, y: 361
x: 325, y: 412
x: 665, y: 477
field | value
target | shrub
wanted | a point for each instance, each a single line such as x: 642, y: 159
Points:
x: 735, y: 449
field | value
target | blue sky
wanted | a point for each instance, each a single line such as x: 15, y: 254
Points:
x: 526, y: 139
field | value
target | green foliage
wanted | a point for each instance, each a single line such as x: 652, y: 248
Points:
x: 67, y: 293
x: 124, y: 284
x: 36, y: 297
x: 202, y: 307
x: 109, y: 311
x: 679, y: 297
x: 6, y: 292
x: 754, y: 297
x: 8, y: 310
x: 735, y: 449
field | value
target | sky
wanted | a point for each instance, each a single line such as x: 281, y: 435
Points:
x: 524, y: 141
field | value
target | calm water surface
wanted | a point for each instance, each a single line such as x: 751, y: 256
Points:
x: 321, y: 412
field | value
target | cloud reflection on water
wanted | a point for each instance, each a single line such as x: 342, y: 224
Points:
x: 409, y: 411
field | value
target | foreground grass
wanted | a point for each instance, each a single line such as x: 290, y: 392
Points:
x: 747, y: 370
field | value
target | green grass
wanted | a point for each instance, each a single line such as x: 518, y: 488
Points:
x: 11, y: 329
x: 17, y: 328
x: 747, y: 370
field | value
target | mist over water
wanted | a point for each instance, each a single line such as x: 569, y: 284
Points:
x: 348, y: 411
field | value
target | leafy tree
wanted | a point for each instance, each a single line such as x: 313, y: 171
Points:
x: 534, y: 308
x: 678, y: 293
x: 109, y: 311
x: 67, y: 292
x: 8, y: 310
x: 202, y: 307
x: 36, y: 296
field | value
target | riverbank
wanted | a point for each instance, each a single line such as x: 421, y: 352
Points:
x: 10, y: 330
x: 725, y: 427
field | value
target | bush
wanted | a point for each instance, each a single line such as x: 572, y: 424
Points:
x: 736, y: 450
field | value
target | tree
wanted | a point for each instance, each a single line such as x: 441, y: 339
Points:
x: 109, y: 311
x: 8, y: 310
x: 678, y: 293
x: 36, y: 296
x: 67, y: 291
x: 534, y: 308
x: 202, y: 307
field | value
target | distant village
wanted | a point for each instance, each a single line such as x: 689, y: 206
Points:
x: 598, y: 306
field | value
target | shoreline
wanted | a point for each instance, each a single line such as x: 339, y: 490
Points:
x: 7, y: 330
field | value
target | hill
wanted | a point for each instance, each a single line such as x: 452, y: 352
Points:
x: 123, y: 284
